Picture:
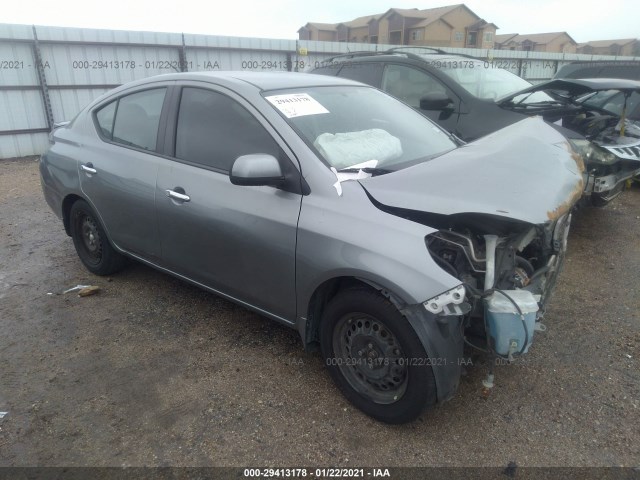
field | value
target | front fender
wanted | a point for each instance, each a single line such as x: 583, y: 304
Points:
x: 347, y: 236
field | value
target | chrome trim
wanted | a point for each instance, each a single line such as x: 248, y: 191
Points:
x: 88, y: 169
x: 178, y: 196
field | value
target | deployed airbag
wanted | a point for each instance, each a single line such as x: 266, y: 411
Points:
x: 343, y: 150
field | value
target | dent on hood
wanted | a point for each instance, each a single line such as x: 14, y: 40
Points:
x: 525, y: 172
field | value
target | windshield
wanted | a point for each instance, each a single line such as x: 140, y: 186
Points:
x: 348, y: 126
x: 613, y: 101
x: 491, y: 83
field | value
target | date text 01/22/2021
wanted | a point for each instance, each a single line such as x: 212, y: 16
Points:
x: 408, y: 361
x: 316, y: 472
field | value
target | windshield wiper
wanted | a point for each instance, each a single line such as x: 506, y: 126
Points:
x: 544, y: 102
x: 371, y: 170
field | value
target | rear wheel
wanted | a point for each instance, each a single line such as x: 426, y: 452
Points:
x: 91, y: 242
x: 375, y: 357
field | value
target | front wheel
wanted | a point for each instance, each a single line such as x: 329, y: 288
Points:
x: 91, y: 242
x: 375, y: 357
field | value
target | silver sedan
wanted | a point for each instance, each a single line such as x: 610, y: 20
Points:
x: 331, y: 207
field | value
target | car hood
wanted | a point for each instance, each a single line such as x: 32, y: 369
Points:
x: 601, y: 127
x: 576, y: 87
x: 526, y: 171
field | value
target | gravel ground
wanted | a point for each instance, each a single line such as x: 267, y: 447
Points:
x: 152, y: 371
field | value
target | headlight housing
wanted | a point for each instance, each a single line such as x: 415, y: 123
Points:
x: 592, y: 153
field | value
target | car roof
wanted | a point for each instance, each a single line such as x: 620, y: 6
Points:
x: 277, y: 80
x: 600, y: 68
x: 579, y: 86
x: 396, y: 54
x: 450, y: 56
x: 605, y: 63
x: 259, y: 80
x: 595, y: 84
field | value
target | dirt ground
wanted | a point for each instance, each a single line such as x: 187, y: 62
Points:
x: 152, y: 371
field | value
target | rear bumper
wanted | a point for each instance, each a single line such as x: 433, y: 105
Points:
x: 51, y: 195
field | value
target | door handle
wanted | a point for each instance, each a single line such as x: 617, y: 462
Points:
x: 178, y: 196
x: 88, y: 168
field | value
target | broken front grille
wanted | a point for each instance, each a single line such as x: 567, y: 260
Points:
x: 627, y: 152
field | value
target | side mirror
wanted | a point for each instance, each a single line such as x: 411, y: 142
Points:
x: 256, y: 170
x: 436, y: 101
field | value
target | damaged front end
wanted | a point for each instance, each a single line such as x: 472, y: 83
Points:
x: 605, y: 113
x: 501, y: 230
x: 508, y: 278
x: 507, y: 273
x: 611, y: 154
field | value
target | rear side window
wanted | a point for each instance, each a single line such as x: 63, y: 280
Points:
x: 133, y: 120
x: 213, y: 130
x: 369, y: 73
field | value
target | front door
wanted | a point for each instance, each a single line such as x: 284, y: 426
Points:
x: 237, y: 240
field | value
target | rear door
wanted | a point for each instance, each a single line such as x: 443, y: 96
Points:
x: 237, y: 240
x: 118, y: 169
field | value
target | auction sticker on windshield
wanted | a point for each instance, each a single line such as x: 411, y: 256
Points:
x: 297, y: 105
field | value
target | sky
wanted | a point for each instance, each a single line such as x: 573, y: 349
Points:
x: 584, y: 20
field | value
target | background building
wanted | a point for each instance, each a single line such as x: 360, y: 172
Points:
x: 450, y: 26
x: 625, y: 46
x: 559, y: 42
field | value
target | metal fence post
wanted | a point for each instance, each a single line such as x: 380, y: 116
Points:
x: 182, y: 56
x: 44, y: 89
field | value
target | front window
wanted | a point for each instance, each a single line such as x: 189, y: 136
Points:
x: 409, y: 84
x: 348, y: 126
x: 395, y: 38
x: 472, y: 39
x: 488, y: 36
x: 213, y: 130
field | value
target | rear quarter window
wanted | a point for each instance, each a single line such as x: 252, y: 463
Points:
x: 105, y: 117
x: 132, y: 120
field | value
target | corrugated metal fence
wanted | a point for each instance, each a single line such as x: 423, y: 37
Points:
x: 47, y: 74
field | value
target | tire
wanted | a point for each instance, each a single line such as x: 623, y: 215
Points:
x: 375, y: 357
x: 91, y: 242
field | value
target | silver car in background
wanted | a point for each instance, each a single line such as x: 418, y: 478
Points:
x: 331, y: 207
